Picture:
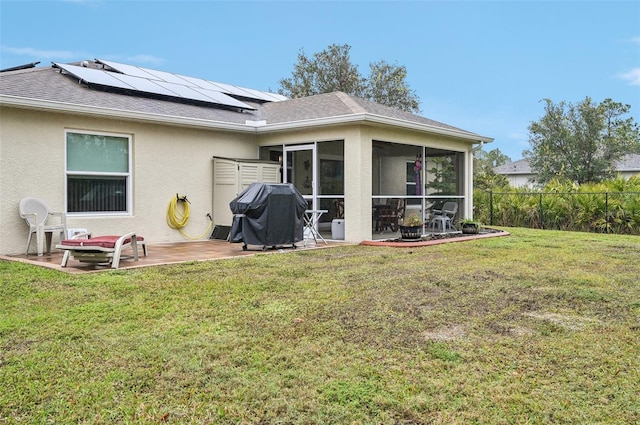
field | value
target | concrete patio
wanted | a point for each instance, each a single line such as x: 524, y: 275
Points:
x: 213, y: 249
x: 165, y: 253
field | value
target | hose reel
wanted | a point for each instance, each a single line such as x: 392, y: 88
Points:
x: 178, y: 213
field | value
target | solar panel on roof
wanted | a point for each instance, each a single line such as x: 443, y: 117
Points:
x: 138, y: 71
x: 191, y: 81
x: 167, y: 76
x: 278, y: 97
x: 260, y: 94
x: 182, y: 91
x: 221, y: 97
x: 150, y: 86
x: 237, y: 91
x: 94, y: 76
x: 131, y: 70
x: 204, y: 95
x: 205, y: 84
x: 144, y: 85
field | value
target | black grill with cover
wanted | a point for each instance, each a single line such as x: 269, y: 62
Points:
x: 268, y: 214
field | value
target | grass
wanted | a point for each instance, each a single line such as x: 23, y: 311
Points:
x: 538, y: 327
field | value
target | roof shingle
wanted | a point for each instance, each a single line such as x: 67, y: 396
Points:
x: 49, y: 85
x: 628, y: 163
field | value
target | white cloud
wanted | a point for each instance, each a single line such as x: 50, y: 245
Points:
x: 635, y: 40
x: 37, y: 53
x: 632, y: 77
x: 67, y: 55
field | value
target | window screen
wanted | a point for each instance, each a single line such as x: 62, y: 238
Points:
x: 98, y: 175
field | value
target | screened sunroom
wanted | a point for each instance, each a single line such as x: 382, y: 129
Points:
x: 415, y: 180
x: 417, y: 177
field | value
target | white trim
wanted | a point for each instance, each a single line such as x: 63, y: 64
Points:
x: 64, y: 107
x: 314, y: 168
x: 248, y: 127
x: 377, y: 119
x: 128, y: 175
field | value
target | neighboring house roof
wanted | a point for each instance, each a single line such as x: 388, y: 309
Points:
x: 629, y: 163
x: 49, y: 89
x: 517, y: 167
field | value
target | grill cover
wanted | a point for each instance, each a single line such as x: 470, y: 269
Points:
x: 268, y: 214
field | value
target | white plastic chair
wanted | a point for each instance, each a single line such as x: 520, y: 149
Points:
x: 36, y: 213
x: 442, y: 222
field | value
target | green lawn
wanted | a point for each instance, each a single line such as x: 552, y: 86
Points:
x: 537, y: 327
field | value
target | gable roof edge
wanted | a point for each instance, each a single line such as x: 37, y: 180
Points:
x: 64, y: 107
x: 247, y: 127
x: 430, y: 128
x: 373, y: 118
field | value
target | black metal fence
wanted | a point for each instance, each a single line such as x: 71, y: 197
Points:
x: 602, y: 212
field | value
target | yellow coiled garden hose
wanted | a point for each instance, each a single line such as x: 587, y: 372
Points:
x: 178, y: 216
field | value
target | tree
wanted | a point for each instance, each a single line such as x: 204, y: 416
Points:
x: 581, y: 142
x: 483, y: 164
x: 327, y: 71
x: 331, y: 70
x: 387, y: 85
x: 443, y: 175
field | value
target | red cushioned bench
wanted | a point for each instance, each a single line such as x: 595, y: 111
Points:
x: 101, y: 249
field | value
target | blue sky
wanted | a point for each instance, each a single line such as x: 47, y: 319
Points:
x: 483, y: 66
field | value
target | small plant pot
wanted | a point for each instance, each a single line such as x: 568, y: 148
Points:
x: 411, y: 232
x: 470, y: 228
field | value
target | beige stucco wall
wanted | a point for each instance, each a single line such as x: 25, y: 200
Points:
x: 358, y: 141
x: 166, y: 160
x: 357, y: 166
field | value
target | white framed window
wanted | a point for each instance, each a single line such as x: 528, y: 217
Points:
x: 98, y: 173
x: 410, y: 184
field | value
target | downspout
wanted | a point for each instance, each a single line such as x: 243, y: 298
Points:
x: 477, y: 148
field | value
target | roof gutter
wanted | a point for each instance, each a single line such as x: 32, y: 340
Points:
x: 431, y: 128
x: 377, y: 119
x: 258, y: 127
